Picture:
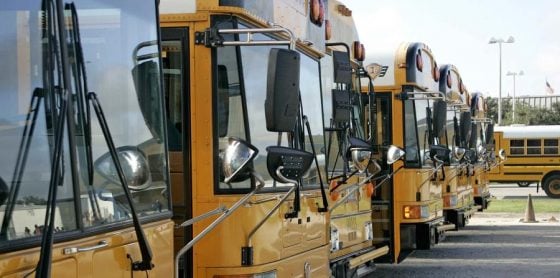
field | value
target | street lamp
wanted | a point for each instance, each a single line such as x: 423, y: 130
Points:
x: 499, y: 41
x: 514, y: 74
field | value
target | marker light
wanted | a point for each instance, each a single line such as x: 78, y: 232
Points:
x: 328, y: 30
x: 435, y: 72
x: 416, y: 212
x: 419, y: 60
x: 317, y: 14
x: 450, y: 201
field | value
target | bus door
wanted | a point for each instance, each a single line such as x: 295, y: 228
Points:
x: 175, y: 57
x: 382, y: 199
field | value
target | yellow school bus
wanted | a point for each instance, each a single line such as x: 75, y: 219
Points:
x: 217, y: 62
x: 350, y: 210
x: 408, y: 211
x: 457, y: 188
x: 83, y: 172
x: 532, y: 156
x: 483, y: 144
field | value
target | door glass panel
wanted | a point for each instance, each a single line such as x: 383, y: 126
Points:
x: 172, y: 78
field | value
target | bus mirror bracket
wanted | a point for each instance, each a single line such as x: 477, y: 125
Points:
x: 286, y: 165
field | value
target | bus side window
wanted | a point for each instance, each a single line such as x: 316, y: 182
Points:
x: 534, y: 146
x: 517, y: 147
x: 550, y: 146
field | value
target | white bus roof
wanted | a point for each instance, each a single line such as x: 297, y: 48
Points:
x: 532, y: 131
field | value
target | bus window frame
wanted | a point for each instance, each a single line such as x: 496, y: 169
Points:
x: 216, y: 20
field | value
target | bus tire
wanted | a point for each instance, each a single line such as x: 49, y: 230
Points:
x: 551, y: 186
x: 523, y: 184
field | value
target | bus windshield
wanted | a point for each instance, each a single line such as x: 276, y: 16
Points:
x: 125, y: 80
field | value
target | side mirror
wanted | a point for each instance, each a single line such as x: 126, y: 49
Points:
x: 502, y: 154
x: 474, y: 135
x: 342, y: 67
x: 4, y: 192
x: 438, y: 152
x: 134, y: 165
x: 282, y: 90
x: 440, y: 117
x: 458, y: 153
x: 342, y: 106
x: 146, y: 78
x: 394, y: 153
x: 489, y: 133
x: 481, y: 150
x: 235, y: 158
x: 470, y: 155
x: 465, y: 126
x: 286, y: 164
x: 359, y: 152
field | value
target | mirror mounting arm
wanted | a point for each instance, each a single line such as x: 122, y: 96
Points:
x: 222, y: 208
x: 218, y: 220
x: 247, y: 251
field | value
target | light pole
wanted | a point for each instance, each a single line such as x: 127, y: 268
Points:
x: 499, y: 41
x: 514, y: 74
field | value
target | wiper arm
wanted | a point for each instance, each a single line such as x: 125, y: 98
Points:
x: 146, y: 263
x: 21, y: 161
x: 55, y: 29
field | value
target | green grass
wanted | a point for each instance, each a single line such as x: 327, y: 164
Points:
x: 518, y: 205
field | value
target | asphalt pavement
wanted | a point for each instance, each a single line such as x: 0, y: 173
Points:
x: 491, y: 245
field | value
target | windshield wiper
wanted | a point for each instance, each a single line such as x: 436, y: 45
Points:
x: 55, y: 27
x: 21, y: 161
x: 91, y: 99
x: 84, y: 114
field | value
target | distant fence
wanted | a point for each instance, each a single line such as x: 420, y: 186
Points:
x: 536, y: 101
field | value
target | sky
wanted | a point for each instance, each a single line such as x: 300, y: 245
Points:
x: 458, y: 32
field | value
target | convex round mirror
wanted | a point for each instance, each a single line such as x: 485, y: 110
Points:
x: 458, y: 153
x: 481, y: 151
x: 502, y: 154
x: 360, y: 153
x: 394, y: 153
x: 236, y: 157
x: 133, y: 163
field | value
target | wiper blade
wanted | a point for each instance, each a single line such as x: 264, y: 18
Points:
x: 83, y: 113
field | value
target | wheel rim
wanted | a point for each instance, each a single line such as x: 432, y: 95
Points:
x: 554, y: 187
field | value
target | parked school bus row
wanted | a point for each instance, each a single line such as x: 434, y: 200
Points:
x: 217, y: 139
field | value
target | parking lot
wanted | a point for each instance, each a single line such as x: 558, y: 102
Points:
x: 492, y: 245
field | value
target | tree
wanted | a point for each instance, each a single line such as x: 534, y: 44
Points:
x: 524, y: 113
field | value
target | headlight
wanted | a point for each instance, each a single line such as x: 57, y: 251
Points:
x: 334, y: 239
x: 416, y: 212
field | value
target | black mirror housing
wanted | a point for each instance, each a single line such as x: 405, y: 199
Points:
x: 442, y: 152
x: 465, y: 127
x: 282, y: 90
x: 440, y: 117
x: 294, y: 162
x: 489, y: 134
